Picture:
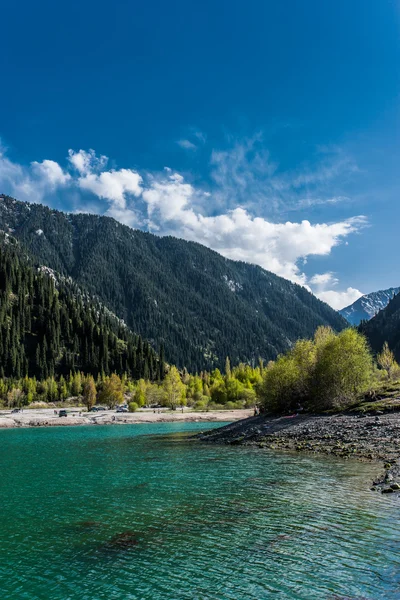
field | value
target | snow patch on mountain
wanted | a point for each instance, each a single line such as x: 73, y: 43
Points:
x: 234, y: 286
x: 368, y: 306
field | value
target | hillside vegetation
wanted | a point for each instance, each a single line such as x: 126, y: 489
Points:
x: 199, y: 305
x: 331, y: 372
x: 48, y: 327
x: 385, y: 327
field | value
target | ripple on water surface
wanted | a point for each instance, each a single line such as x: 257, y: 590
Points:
x: 116, y: 513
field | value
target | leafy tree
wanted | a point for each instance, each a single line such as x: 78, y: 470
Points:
x: 140, y: 393
x: 227, y: 368
x: 62, y: 388
x: 89, y: 392
x: 111, y: 392
x: 343, y: 370
x: 154, y: 394
x: 174, y: 389
x: 328, y: 372
x: 386, y: 361
x: 76, y: 384
x: 278, y: 391
x: 15, y: 398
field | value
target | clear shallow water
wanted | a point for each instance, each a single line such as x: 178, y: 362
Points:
x: 114, y: 513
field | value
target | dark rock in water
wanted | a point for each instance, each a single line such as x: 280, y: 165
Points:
x: 88, y: 524
x: 387, y: 491
x: 121, y: 541
x: 237, y: 440
x: 395, y: 486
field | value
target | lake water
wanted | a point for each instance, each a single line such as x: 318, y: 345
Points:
x: 129, y: 512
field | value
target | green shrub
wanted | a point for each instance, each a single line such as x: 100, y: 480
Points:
x: 343, y: 371
x: 133, y: 406
x: 233, y: 405
x: 329, y: 372
x: 201, y: 405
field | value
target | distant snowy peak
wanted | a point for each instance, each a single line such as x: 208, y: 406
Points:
x: 367, y: 306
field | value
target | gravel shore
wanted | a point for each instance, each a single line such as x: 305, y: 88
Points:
x: 374, y: 438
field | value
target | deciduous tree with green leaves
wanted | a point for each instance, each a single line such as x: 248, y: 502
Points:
x: 111, y: 392
x: 386, y: 361
x: 174, y: 389
x: 89, y: 392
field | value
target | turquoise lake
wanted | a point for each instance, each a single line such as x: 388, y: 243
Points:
x: 140, y: 512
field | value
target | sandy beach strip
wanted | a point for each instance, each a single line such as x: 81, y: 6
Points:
x: 47, y: 417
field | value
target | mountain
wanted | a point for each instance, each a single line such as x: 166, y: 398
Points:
x: 385, y: 327
x: 200, y: 305
x: 49, y: 327
x: 368, y: 306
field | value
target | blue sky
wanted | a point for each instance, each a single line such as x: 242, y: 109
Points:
x: 266, y: 130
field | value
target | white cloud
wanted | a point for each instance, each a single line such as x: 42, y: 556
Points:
x: 31, y: 182
x: 168, y: 196
x: 15, y: 179
x: 337, y: 299
x: 168, y: 204
x: 186, y: 144
x: 126, y: 216
x: 245, y: 174
x: 52, y: 172
x: 309, y: 202
x: 87, y: 162
x: 236, y: 234
x: 113, y: 185
x: 323, y: 279
x: 200, y: 135
x: 328, y: 170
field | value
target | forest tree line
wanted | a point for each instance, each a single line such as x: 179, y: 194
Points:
x: 330, y: 372
x: 199, y: 305
x: 49, y: 328
x: 58, y: 343
x: 234, y: 389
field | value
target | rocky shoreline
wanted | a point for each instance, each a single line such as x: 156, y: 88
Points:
x: 374, y: 438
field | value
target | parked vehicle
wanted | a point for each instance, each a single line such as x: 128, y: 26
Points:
x: 15, y: 410
x: 62, y: 413
x: 121, y: 409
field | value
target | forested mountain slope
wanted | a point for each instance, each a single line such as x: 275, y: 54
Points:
x: 368, y: 306
x: 48, y: 327
x: 385, y: 327
x: 202, y: 306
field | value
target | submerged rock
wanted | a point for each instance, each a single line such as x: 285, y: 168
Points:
x: 88, y: 524
x: 121, y: 542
